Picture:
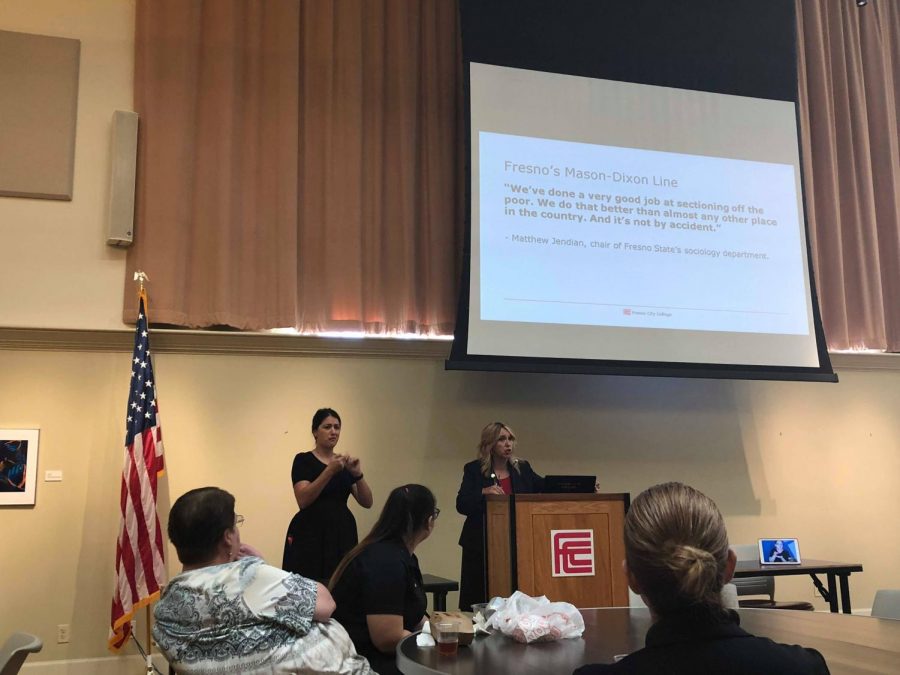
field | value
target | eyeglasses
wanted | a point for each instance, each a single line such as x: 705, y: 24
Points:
x: 238, y: 520
x: 437, y: 512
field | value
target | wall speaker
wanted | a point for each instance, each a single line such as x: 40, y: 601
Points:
x: 121, y: 182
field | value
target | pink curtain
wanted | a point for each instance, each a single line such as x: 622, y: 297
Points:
x: 298, y: 164
x: 849, y: 60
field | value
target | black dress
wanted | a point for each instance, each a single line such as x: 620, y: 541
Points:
x: 470, y: 503
x: 383, y: 579
x: 321, y: 534
x: 699, y: 641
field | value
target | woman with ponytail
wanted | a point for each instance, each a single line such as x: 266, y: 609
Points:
x: 378, y: 584
x: 677, y: 559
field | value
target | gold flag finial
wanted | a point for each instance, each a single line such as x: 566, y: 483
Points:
x: 141, y: 277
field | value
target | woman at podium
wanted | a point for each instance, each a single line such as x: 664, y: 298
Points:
x: 497, y: 471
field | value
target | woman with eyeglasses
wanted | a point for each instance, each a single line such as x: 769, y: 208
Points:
x: 378, y: 585
x: 497, y: 471
x: 230, y: 612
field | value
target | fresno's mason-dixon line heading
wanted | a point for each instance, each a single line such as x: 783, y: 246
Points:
x: 589, y: 174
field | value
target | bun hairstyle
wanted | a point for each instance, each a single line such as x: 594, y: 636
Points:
x: 676, y: 547
x: 489, y: 436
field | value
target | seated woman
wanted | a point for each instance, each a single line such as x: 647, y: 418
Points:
x: 378, y: 585
x: 229, y: 612
x: 677, y: 559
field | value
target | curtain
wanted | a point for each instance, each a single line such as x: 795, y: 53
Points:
x: 298, y: 164
x: 849, y: 72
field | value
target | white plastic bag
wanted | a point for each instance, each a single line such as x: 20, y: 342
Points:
x: 527, y: 619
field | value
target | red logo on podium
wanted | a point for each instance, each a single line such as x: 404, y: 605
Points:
x: 573, y: 553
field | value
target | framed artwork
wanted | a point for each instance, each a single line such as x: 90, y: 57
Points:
x: 18, y: 466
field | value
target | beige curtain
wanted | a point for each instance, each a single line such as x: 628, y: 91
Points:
x: 849, y: 62
x: 298, y: 164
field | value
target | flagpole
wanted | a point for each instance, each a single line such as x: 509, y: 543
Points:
x: 149, y: 640
x: 140, y: 276
x: 139, y: 555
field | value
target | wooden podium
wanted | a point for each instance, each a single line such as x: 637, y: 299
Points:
x: 569, y: 547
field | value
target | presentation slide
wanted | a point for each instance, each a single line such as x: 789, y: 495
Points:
x: 621, y: 221
x: 600, y: 235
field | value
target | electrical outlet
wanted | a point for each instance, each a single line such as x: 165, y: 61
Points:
x: 62, y: 633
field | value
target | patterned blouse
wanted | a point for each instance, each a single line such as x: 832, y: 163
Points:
x: 249, y: 617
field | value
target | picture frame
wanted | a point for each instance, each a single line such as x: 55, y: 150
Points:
x: 779, y: 551
x: 18, y: 466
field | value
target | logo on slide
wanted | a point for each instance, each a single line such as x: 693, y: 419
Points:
x: 572, y: 552
x: 627, y: 311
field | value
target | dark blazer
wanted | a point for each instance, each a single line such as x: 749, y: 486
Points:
x: 470, y: 501
x: 696, y: 642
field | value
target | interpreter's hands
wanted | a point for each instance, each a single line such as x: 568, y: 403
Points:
x: 596, y: 488
x: 354, y: 466
x: 246, y: 550
x: 336, y: 464
x: 492, y: 490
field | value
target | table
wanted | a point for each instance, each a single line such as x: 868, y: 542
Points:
x: 851, y: 645
x: 438, y: 587
x: 842, y: 571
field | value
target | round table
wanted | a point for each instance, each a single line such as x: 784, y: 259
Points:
x: 850, y: 644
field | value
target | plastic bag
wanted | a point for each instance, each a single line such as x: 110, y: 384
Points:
x: 527, y: 619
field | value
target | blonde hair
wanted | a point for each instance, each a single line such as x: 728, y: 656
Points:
x: 676, y: 547
x: 489, y: 436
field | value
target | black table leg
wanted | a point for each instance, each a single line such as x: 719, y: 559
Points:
x: 845, y: 592
x: 832, y: 594
x: 440, y: 601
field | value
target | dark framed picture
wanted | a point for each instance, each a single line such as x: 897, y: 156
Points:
x: 779, y: 552
x: 18, y: 466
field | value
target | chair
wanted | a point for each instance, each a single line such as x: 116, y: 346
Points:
x: 762, y: 585
x: 886, y: 604
x: 16, y: 649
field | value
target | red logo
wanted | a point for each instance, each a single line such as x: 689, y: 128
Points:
x: 627, y: 311
x: 573, y: 553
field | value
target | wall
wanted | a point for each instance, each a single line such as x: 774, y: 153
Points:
x: 813, y: 461
x: 57, y: 269
x: 818, y: 462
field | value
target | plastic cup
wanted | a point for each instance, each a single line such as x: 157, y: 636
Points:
x: 447, y: 637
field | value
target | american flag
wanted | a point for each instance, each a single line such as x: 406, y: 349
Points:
x: 140, y: 567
